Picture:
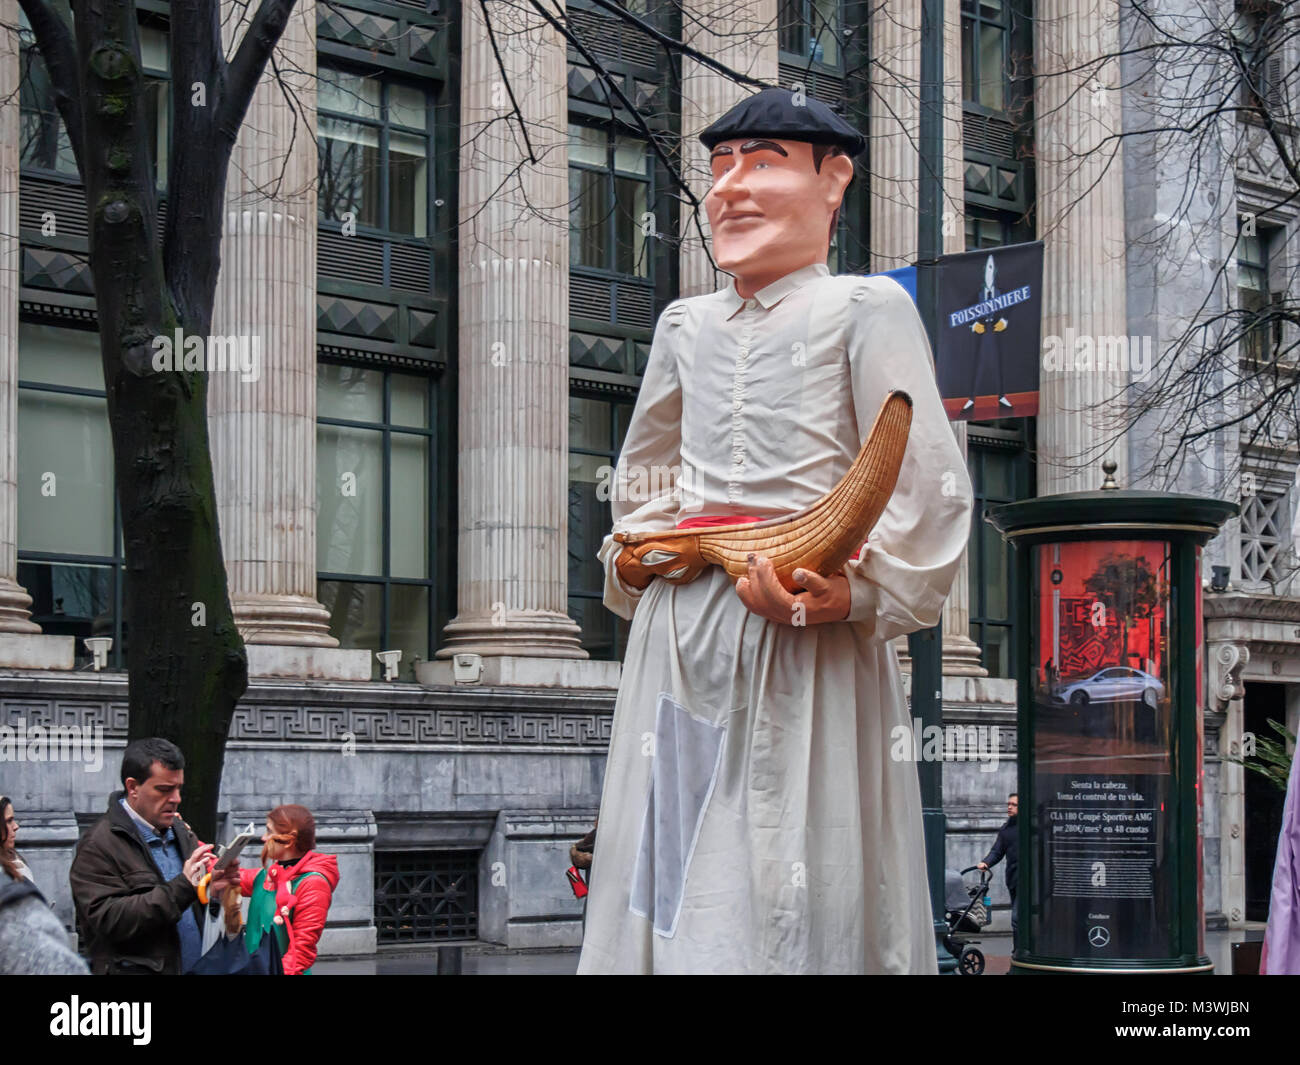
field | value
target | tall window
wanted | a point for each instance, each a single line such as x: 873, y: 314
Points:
x: 999, y: 474
x: 985, y: 33
x: 610, y: 195
x: 810, y: 29
x: 373, y: 152
x: 374, y: 487
x: 1262, y: 36
x: 42, y: 140
x: 69, y: 546
x: 596, y: 431
x: 1253, y: 293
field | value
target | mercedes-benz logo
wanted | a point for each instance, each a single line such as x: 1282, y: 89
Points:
x: 1098, y: 936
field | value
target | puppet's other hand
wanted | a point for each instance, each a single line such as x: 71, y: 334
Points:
x: 999, y: 325
x: 977, y: 327
x: 630, y: 571
x: 677, y: 561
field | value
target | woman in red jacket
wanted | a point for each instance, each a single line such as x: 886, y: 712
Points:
x: 291, y: 894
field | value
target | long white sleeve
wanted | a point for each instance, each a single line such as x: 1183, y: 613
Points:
x: 644, y: 494
x: 900, y: 581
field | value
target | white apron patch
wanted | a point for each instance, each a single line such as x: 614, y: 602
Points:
x: 687, y: 753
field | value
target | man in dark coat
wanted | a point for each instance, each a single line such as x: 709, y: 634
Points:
x: 135, y: 875
x: 1007, y: 845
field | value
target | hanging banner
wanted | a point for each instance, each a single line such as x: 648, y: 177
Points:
x: 990, y: 332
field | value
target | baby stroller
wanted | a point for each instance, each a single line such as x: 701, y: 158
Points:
x: 966, y: 911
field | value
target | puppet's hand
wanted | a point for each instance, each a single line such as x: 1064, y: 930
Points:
x: 999, y: 325
x: 677, y: 561
x: 827, y: 598
x: 977, y: 327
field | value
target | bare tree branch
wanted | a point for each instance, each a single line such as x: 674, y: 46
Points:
x: 58, y: 48
x: 246, y: 68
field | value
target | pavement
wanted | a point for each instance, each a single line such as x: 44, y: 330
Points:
x: 486, y: 960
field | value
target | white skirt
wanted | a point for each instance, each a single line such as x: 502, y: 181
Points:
x: 752, y: 819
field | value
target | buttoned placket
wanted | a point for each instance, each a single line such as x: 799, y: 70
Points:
x: 748, y: 319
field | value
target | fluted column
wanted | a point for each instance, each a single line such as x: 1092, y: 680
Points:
x: 264, y: 429
x: 742, y: 35
x: 893, y: 141
x: 512, y: 580
x: 895, y: 108
x: 1080, y: 180
x: 961, y: 654
x: 15, y: 603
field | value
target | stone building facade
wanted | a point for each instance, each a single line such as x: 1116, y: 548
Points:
x: 453, y: 320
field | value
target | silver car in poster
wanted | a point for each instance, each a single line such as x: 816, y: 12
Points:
x: 1114, y: 685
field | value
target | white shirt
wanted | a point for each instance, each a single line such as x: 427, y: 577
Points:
x: 762, y: 405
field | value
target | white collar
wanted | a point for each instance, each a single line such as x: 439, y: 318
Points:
x: 770, y: 295
x: 140, y: 822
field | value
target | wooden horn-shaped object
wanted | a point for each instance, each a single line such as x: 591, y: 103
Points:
x: 827, y: 534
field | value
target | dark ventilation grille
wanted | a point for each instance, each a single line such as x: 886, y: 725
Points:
x: 430, y: 7
x: 993, y: 136
x: 589, y: 297
x: 68, y: 202
x: 426, y: 896
x: 612, y: 38
x: 635, y: 306
x: 828, y: 88
x: 359, y: 259
x: 409, y: 268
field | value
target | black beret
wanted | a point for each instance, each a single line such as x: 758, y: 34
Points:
x: 773, y: 113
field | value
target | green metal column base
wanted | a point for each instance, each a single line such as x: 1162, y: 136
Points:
x: 1201, y: 966
x: 936, y: 829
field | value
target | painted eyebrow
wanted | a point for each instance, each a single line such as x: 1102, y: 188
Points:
x: 748, y: 148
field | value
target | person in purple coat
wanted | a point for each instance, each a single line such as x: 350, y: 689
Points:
x: 1281, y: 954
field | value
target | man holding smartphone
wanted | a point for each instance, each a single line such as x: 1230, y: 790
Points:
x: 136, y: 873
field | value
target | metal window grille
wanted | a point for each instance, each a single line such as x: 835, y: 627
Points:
x: 426, y: 896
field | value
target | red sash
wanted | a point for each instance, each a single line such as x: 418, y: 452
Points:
x: 709, y: 522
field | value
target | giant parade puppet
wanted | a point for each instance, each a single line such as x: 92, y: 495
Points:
x: 754, y: 817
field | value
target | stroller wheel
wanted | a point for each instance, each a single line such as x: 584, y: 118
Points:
x: 971, y: 962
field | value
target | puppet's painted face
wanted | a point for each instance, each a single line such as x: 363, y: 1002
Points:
x: 770, y: 209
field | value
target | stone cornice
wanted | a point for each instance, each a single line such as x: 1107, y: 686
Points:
x: 361, y: 714
x: 1251, y: 607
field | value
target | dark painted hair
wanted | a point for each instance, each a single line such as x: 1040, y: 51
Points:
x: 821, y: 151
x: 819, y: 154
x: 139, y: 757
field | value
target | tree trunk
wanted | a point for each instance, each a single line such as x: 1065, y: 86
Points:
x: 185, y: 657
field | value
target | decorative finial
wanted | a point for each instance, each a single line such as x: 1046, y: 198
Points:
x: 1109, y: 467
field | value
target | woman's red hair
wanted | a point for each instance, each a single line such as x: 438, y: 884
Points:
x: 294, y: 818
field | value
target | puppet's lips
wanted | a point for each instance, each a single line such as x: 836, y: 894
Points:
x: 746, y: 217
